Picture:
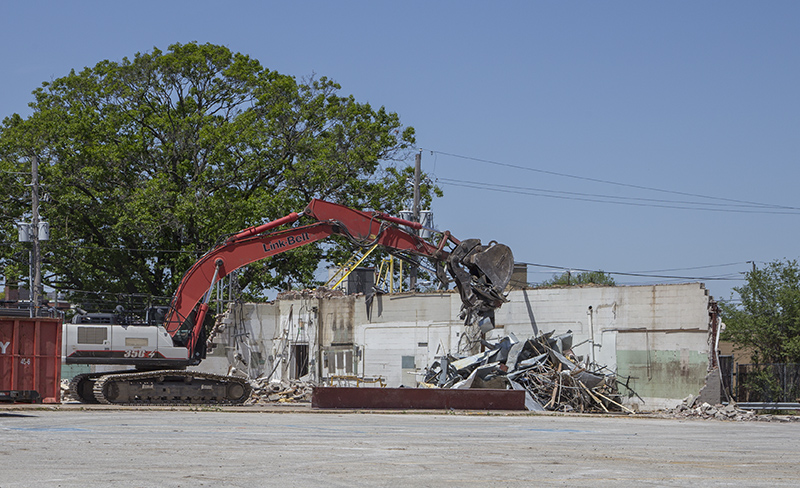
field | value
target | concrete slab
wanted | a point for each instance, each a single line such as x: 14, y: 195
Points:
x: 74, y: 447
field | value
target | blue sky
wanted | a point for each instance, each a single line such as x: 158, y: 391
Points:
x: 588, y: 99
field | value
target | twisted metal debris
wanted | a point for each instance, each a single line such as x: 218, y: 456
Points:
x: 544, y: 366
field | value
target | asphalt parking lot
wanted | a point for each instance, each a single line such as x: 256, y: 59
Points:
x: 77, y: 447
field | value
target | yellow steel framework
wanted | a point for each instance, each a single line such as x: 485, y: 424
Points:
x: 386, y: 275
x: 344, y: 271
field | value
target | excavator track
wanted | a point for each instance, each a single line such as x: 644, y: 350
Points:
x: 170, y: 387
x: 82, y: 385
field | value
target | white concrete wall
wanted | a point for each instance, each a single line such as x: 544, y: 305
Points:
x: 258, y: 338
x: 384, y: 345
x: 654, y: 337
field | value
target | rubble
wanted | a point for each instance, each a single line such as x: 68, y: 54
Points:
x: 692, y: 408
x: 321, y: 292
x: 66, y: 393
x: 264, y: 391
x: 545, y: 367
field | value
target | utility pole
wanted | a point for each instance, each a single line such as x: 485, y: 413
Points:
x: 415, y: 209
x: 36, y: 292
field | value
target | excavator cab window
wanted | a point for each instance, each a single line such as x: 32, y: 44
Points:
x: 156, y: 315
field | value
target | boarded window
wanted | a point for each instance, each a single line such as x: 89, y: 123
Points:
x: 339, y: 360
x: 408, y: 362
x: 136, y: 341
x: 92, y: 335
x: 330, y: 361
x: 348, y: 362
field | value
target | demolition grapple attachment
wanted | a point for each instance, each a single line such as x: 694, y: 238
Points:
x: 481, y: 274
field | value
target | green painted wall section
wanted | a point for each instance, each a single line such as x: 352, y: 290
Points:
x: 69, y: 371
x: 662, y: 374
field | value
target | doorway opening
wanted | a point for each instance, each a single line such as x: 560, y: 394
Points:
x: 300, y: 363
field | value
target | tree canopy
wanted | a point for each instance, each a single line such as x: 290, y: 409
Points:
x: 767, y: 321
x: 149, y: 161
x: 568, y: 278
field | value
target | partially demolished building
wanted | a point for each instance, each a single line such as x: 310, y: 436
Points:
x: 657, y: 340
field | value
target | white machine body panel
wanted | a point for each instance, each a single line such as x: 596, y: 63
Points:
x: 119, y: 344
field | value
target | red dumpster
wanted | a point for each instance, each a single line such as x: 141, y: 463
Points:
x: 30, y: 359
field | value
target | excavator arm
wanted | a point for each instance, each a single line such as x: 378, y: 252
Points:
x: 481, y: 273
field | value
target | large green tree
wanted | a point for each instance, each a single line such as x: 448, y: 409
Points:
x: 767, y: 321
x: 148, y: 162
x: 569, y: 278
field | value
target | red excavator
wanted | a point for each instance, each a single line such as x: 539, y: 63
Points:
x: 162, y: 346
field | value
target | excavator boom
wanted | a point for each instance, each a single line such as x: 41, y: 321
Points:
x: 480, y: 273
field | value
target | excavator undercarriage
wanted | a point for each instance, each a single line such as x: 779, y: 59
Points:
x: 164, y: 387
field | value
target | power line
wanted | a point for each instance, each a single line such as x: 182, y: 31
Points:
x: 110, y: 293
x: 127, y: 249
x: 561, y: 192
x: 640, y: 275
x: 609, y: 182
x: 691, y: 268
x: 586, y: 197
x: 105, y: 248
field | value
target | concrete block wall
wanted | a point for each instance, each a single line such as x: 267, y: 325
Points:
x: 258, y: 338
x: 655, y: 337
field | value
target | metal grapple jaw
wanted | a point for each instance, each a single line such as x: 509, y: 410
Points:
x: 481, y: 274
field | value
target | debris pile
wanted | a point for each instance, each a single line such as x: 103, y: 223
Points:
x: 691, y: 408
x: 545, y: 367
x: 321, y: 292
x: 66, y: 393
x: 284, y: 392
